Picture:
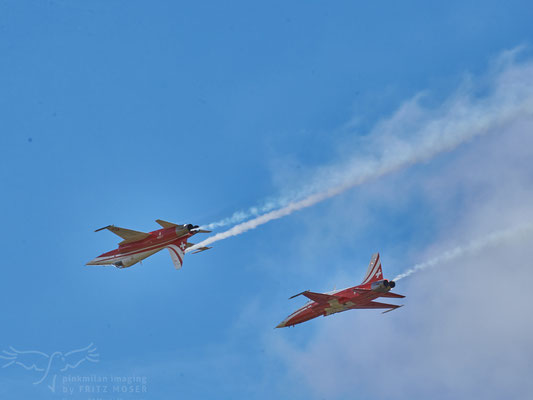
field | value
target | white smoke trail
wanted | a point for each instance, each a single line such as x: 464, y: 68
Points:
x: 412, y: 135
x: 240, y: 216
x: 475, y: 246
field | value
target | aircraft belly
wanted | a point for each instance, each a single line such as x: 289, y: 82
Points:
x: 357, y: 297
x: 135, y: 258
x: 335, y: 307
x: 126, y: 260
x: 303, y: 314
x: 137, y: 245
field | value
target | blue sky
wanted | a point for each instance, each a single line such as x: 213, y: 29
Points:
x: 123, y: 112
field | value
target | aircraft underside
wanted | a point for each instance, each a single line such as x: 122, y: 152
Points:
x: 357, y: 297
x: 124, y: 261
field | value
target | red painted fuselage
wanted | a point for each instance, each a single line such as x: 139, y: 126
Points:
x: 141, y: 249
x: 356, y: 297
x: 136, y: 245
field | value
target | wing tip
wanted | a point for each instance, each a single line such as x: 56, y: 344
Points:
x: 299, y: 294
x: 392, y: 309
x: 165, y: 224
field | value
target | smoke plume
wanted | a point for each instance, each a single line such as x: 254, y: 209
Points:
x: 475, y: 246
x: 413, y: 134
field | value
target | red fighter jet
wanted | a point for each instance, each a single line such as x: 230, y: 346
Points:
x: 137, y: 246
x: 356, y: 297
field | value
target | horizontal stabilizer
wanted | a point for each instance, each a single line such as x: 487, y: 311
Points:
x: 200, y: 249
x: 201, y: 231
x: 390, y: 294
x: 375, y: 304
x: 384, y: 294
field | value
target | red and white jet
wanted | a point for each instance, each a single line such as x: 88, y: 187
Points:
x: 137, y: 246
x: 356, y: 297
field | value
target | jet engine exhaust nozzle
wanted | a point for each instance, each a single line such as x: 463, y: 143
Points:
x: 382, y: 286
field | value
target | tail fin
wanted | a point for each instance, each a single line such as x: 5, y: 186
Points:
x: 176, y: 252
x: 373, y: 273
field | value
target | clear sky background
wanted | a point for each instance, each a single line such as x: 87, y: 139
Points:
x: 123, y: 112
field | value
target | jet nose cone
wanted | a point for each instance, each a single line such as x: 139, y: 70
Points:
x: 282, y: 324
x: 93, y: 262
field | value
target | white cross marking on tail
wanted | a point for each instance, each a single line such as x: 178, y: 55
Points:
x: 183, y: 245
x: 378, y: 274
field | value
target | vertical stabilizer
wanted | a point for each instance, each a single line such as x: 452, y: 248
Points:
x: 373, y: 273
x: 176, y: 250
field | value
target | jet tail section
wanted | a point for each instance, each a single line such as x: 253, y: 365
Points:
x: 373, y: 273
